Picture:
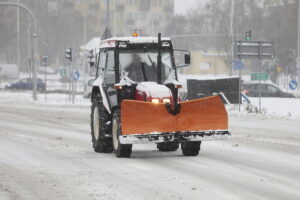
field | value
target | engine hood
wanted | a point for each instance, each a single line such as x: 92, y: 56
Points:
x: 153, y: 90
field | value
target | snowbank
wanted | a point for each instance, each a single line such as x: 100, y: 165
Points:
x: 289, y: 107
x: 52, y: 99
x: 271, y: 107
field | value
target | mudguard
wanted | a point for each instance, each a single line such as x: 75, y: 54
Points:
x: 206, y: 114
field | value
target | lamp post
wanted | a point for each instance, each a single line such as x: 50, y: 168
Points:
x: 298, y: 38
x: 18, y: 37
x: 34, y: 45
x: 231, y: 33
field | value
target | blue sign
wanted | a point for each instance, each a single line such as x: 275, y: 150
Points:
x: 76, y: 75
x: 293, y: 84
x: 238, y: 65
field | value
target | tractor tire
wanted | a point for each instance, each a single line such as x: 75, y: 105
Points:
x: 190, y: 148
x: 168, y: 146
x: 120, y: 150
x: 100, y: 126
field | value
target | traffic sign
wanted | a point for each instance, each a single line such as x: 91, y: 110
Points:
x: 248, y: 35
x: 259, y: 76
x: 254, y: 49
x: 278, y: 69
x: 63, y: 72
x: 76, y: 75
x: 238, y: 65
x: 293, y: 84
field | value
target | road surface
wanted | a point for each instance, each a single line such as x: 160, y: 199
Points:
x: 46, y: 153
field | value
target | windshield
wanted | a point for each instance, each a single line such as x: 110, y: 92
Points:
x: 142, y: 66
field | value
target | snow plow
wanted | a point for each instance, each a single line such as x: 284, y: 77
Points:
x: 135, y: 100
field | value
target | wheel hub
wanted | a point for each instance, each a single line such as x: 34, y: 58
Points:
x: 115, y: 134
x: 96, y: 123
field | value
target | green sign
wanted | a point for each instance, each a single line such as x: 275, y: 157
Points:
x: 63, y: 72
x: 259, y: 76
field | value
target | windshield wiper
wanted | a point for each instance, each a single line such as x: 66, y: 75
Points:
x: 152, y: 63
x: 144, y: 72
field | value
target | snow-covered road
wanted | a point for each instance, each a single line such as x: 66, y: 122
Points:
x: 46, y: 153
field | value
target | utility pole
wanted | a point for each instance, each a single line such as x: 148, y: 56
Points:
x: 107, y: 14
x: 68, y: 56
x: 298, y: 38
x: 45, y: 64
x: 231, y: 34
x: 84, y: 29
x: 84, y: 42
x: 18, y: 38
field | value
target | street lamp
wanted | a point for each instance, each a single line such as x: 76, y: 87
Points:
x: 298, y: 37
x: 34, y: 45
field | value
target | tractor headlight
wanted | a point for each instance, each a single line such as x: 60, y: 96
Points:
x: 155, y: 100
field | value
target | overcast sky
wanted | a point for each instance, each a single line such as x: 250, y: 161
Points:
x: 181, y: 6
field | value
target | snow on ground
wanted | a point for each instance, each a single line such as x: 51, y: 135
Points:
x: 46, y: 153
x: 287, y: 107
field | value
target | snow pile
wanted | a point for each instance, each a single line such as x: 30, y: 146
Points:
x: 289, y: 107
x: 270, y: 108
x: 52, y: 99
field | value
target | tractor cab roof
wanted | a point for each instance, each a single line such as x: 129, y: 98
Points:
x: 112, y: 42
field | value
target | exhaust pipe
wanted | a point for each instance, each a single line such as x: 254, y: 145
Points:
x: 159, y: 60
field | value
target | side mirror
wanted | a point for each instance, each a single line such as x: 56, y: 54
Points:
x: 92, y: 62
x: 187, y: 59
x: 182, y: 58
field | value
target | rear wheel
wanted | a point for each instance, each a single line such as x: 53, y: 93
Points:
x: 168, y: 146
x: 100, y: 127
x: 121, y: 150
x: 190, y: 148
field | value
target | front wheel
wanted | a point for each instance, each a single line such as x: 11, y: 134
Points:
x: 120, y: 150
x: 100, y: 126
x: 190, y: 148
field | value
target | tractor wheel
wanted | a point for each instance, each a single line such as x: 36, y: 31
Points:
x: 168, y: 146
x: 100, y: 126
x: 121, y: 150
x: 190, y: 148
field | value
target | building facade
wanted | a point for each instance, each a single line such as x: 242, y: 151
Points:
x: 204, y: 63
x: 148, y: 17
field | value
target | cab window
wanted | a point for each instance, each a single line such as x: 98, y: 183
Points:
x: 101, y: 60
x: 109, y: 74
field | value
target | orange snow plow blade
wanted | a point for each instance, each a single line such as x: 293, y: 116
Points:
x: 206, y: 114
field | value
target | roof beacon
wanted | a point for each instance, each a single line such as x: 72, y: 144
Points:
x: 135, y: 34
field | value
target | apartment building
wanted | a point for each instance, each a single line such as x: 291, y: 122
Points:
x: 146, y: 16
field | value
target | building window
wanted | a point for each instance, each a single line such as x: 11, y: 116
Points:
x: 205, y: 66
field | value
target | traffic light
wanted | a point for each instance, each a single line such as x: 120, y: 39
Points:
x: 248, y: 35
x: 44, y: 61
x: 68, y: 55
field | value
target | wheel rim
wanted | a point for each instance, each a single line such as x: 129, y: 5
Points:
x: 96, y: 123
x: 115, y: 134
